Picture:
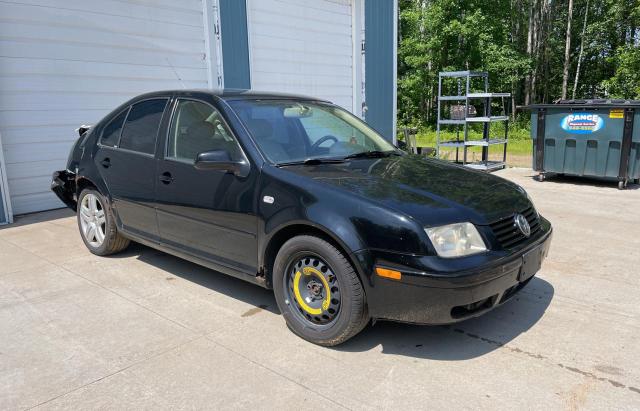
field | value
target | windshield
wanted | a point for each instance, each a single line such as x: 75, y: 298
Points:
x: 290, y: 131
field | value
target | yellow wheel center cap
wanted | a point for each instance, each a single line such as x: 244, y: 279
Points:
x: 310, y: 271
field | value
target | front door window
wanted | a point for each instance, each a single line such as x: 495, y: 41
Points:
x: 196, y: 128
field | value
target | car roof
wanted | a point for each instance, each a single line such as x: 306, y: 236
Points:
x: 232, y: 94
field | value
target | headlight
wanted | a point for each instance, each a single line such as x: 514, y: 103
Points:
x: 456, y: 240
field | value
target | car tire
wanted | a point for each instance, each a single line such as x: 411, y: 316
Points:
x: 97, y: 224
x: 317, y: 258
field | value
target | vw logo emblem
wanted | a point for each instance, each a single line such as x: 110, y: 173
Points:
x: 523, y: 225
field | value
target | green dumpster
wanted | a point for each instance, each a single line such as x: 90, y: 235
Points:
x: 591, y: 138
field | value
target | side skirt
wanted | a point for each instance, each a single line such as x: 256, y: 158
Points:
x: 254, y: 279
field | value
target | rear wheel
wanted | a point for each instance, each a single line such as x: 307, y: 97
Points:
x: 97, y: 224
x: 318, y: 291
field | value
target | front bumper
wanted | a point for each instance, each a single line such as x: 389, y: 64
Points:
x: 442, y: 298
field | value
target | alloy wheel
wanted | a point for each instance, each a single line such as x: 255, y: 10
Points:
x: 92, y: 220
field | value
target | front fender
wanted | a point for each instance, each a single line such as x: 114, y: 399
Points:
x: 288, y: 205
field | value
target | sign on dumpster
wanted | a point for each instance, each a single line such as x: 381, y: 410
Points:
x: 582, y: 123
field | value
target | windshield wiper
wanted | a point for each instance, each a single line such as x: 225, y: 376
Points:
x: 337, y: 160
x: 311, y: 162
x: 373, y: 154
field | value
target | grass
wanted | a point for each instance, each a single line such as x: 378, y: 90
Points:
x: 519, y: 148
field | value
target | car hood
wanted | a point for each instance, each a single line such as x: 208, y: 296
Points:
x: 433, y: 192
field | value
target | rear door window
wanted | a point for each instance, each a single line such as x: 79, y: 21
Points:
x: 111, y: 133
x: 141, y: 128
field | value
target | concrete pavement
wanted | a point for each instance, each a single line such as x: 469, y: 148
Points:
x: 144, y: 330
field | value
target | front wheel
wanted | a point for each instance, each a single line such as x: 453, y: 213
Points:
x: 318, y: 291
x: 97, y: 224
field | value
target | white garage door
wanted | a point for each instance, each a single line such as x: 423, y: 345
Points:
x: 64, y: 63
x: 302, y: 46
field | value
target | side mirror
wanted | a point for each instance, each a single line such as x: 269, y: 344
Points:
x: 221, y: 160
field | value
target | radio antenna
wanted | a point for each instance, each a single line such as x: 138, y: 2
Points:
x: 175, y: 73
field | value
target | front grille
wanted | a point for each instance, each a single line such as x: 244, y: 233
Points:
x: 508, y: 234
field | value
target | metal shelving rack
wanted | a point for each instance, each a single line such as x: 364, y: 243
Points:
x: 486, y: 119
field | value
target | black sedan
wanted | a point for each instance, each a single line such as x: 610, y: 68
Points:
x: 296, y: 194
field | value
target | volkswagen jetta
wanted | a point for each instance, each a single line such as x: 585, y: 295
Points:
x: 296, y: 194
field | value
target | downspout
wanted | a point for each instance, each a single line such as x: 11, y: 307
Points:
x: 7, y: 218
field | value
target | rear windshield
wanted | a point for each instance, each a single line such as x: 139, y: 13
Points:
x: 289, y: 131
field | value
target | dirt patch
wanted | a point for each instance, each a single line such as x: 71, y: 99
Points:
x: 518, y: 160
x: 513, y: 159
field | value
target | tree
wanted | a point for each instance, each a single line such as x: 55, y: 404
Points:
x: 525, y: 45
x: 567, y: 52
x: 625, y: 83
x: 584, y: 32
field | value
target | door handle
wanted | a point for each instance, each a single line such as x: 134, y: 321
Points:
x: 106, y: 163
x: 166, y: 177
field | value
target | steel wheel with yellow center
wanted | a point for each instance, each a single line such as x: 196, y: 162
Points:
x: 313, y: 289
